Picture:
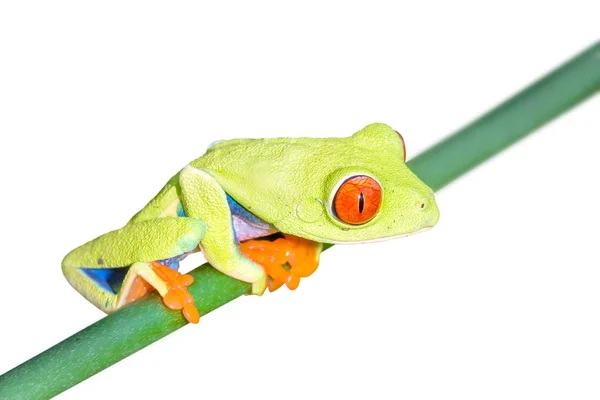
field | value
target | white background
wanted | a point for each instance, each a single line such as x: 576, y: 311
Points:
x: 100, y: 103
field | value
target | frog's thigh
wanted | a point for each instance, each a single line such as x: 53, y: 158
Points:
x: 203, y: 198
x: 135, y: 245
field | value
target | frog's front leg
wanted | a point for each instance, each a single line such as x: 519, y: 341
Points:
x: 121, y: 266
x: 203, y: 198
x: 286, y: 259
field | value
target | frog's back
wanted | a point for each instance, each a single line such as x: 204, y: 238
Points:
x: 167, y: 202
x: 247, y: 156
x: 266, y: 176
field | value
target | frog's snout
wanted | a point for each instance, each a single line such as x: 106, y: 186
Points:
x: 426, y: 204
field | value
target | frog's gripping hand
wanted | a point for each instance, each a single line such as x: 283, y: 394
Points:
x: 285, y: 260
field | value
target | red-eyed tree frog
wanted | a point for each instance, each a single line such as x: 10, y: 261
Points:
x: 259, y: 210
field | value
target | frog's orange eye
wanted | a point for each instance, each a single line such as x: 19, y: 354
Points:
x: 357, y: 200
x: 403, y: 144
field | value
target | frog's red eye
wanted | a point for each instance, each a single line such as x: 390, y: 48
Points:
x: 357, y: 200
x: 403, y: 145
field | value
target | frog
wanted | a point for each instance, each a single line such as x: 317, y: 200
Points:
x: 260, y: 211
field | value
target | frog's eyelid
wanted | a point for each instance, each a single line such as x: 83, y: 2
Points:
x: 403, y: 144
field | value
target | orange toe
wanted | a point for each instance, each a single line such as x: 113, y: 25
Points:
x: 173, y: 300
x: 304, y: 259
x: 177, y: 296
x: 285, y: 260
x: 139, y: 288
x: 191, y: 314
x: 185, y: 279
x: 275, y: 284
x: 293, y: 282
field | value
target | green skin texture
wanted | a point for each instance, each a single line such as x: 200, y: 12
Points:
x: 289, y: 183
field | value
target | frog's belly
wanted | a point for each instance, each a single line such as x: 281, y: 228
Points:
x: 246, y: 230
x: 247, y: 225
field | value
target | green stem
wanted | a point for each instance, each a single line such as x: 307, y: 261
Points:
x: 123, y: 333
x: 544, y: 100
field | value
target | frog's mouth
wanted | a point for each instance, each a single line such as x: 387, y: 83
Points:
x: 376, y: 240
x: 385, y: 238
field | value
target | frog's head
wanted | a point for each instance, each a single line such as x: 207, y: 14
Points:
x: 362, y: 191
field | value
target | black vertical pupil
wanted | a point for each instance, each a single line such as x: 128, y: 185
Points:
x: 361, y: 202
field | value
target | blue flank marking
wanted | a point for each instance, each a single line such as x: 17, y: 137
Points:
x: 173, y: 262
x: 180, y: 210
x: 238, y: 210
x: 105, y: 276
x: 234, y: 234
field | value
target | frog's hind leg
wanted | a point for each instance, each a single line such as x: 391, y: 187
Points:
x: 121, y: 266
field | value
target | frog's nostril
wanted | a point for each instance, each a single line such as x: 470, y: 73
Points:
x: 421, y: 205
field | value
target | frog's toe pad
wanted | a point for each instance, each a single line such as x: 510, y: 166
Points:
x: 177, y: 296
x: 190, y: 312
x: 285, y: 260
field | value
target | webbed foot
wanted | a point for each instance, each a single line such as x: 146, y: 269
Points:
x: 171, y: 285
x: 177, y: 296
x: 285, y: 260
